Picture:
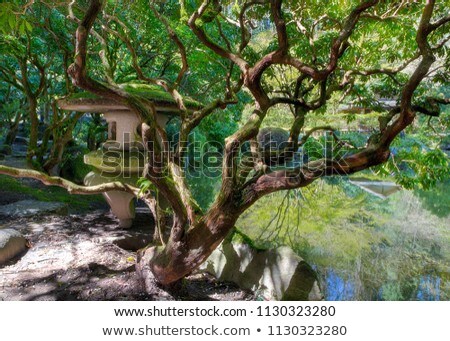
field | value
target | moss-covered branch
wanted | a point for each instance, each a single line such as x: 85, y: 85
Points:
x: 71, y: 187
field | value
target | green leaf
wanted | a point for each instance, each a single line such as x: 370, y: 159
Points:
x: 145, y: 185
x: 28, y: 26
x: 22, y: 28
x: 12, y: 21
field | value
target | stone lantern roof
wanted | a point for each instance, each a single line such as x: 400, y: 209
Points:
x: 88, y: 102
x: 122, y: 122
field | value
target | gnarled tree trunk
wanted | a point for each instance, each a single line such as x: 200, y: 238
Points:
x: 195, y: 234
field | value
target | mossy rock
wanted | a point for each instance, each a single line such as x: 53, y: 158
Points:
x: 273, y: 274
x: 272, y: 142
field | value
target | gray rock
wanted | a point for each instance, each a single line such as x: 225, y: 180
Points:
x: 28, y: 208
x: 272, y: 142
x: 12, y: 244
x: 274, y: 274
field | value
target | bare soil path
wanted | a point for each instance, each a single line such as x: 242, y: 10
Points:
x: 84, y: 256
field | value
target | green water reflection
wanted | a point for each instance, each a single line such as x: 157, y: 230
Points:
x: 362, y: 247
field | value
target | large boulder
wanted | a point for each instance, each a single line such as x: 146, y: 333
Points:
x: 273, y: 274
x: 12, y: 244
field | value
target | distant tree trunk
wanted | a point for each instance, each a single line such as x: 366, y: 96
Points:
x: 32, y: 99
x: 55, y: 158
x: 92, y: 142
x: 34, y: 129
x: 43, y: 147
x: 13, y: 128
x: 62, y: 132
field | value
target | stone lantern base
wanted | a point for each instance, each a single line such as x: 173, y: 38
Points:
x: 121, y: 203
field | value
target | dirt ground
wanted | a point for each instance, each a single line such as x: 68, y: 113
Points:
x: 84, y: 256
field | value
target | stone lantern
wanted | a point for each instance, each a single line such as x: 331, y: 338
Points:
x: 121, y: 158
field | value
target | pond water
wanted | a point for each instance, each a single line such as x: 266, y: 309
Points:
x: 336, y: 288
x: 362, y: 246
x: 429, y: 288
